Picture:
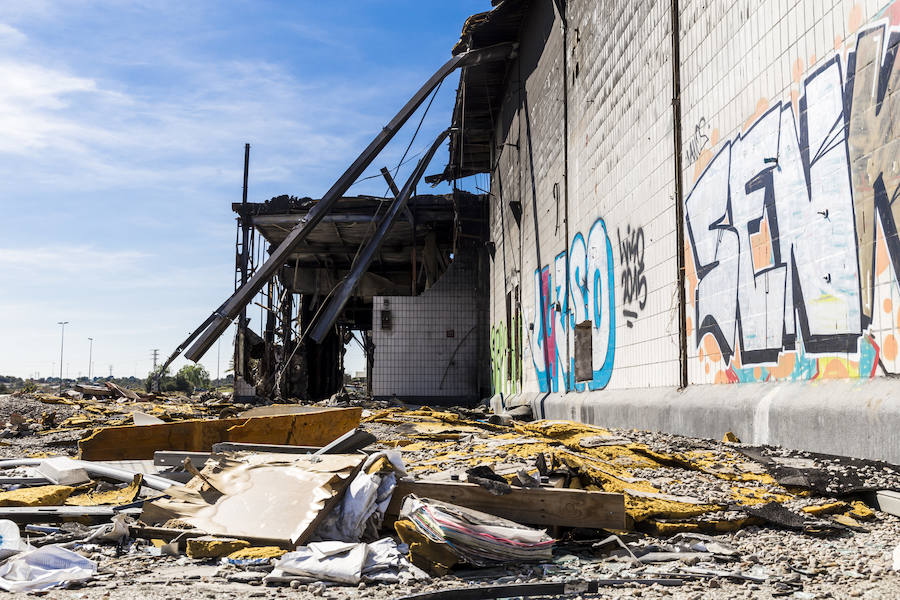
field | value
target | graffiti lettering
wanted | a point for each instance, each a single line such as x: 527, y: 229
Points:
x: 560, y: 305
x: 631, y: 259
x: 697, y: 142
x: 785, y: 222
x: 506, y: 362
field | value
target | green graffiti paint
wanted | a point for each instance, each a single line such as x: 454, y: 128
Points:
x: 506, y: 360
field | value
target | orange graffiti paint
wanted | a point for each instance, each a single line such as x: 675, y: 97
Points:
x: 797, y: 70
x: 894, y: 12
x: 762, y: 105
x: 834, y: 368
x: 757, y: 373
x: 888, y: 305
x: 689, y: 325
x: 761, y: 247
x: 705, y: 157
x: 838, y: 41
x: 881, y: 256
x: 690, y: 274
x: 721, y: 377
x: 812, y: 59
x: 714, y: 137
x: 889, y: 347
x: 855, y: 19
x: 706, y: 366
x: 785, y: 366
x: 712, y: 348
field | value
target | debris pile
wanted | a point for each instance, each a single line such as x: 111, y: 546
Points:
x: 416, y: 502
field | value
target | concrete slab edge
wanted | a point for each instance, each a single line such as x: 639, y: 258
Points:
x: 844, y: 417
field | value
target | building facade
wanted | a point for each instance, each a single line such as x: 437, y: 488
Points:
x: 693, y: 215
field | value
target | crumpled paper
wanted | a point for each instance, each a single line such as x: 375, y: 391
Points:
x: 365, y: 500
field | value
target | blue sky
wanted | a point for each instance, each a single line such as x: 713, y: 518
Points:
x: 122, y: 127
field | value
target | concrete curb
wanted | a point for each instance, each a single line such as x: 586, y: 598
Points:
x: 845, y: 417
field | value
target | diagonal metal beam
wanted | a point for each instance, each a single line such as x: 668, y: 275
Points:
x: 222, y: 316
x: 367, y: 255
x: 390, y: 181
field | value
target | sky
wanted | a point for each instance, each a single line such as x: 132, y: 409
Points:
x: 122, y: 130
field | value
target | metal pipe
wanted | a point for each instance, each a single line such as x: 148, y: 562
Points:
x: 151, y: 481
x: 367, y: 254
x: 679, y: 195
x: 223, y: 316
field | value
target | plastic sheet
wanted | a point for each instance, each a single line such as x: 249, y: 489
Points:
x: 45, y: 568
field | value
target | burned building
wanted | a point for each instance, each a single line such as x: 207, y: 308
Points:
x: 419, y: 310
x: 690, y: 225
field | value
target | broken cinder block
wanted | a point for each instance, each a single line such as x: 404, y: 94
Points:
x: 62, y: 470
x: 210, y: 546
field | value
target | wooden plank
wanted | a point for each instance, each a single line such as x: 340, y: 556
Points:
x: 532, y: 506
x: 141, y: 441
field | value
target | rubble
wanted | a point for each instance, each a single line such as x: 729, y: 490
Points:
x: 407, y: 508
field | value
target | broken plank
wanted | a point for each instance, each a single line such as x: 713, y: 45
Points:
x: 94, y: 390
x: 533, y: 506
x: 316, y: 428
x: 120, y: 391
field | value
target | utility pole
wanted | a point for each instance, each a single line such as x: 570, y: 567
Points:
x: 90, y: 356
x: 218, y: 361
x: 243, y: 259
x: 110, y: 371
x: 155, y: 352
x: 62, y: 345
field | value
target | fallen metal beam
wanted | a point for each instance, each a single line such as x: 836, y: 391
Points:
x: 349, y: 442
x: 48, y: 514
x: 24, y: 481
x: 273, y: 448
x: 555, y: 589
x: 333, y: 309
x: 151, y: 481
x: 221, y: 318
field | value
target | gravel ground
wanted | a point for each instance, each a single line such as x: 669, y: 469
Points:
x: 795, y: 565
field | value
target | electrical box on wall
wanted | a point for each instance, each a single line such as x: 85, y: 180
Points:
x: 386, y: 319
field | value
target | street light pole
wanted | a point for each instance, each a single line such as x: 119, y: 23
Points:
x: 62, y: 341
x: 90, y: 356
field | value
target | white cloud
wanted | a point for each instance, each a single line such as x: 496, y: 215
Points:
x: 10, y: 37
x: 65, y: 261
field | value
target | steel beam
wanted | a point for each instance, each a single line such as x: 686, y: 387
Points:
x: 222, y: 317
x: 367, y: 254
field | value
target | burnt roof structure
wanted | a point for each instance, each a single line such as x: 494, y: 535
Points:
x: 481, y: 88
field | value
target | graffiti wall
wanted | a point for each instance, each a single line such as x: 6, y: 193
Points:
x: 506, y: 359
x: 596, y: 263
x: 580, y: 289
x: 791, y: 239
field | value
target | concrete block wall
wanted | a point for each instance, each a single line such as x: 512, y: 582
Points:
x: 608, y: 257
x: 430, y: 353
